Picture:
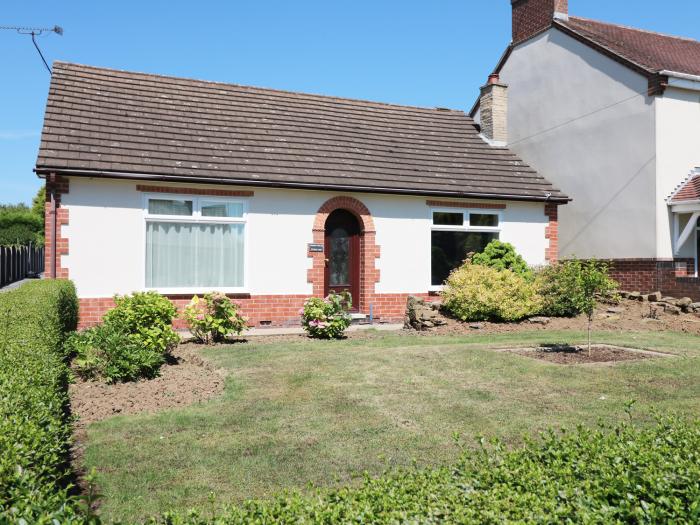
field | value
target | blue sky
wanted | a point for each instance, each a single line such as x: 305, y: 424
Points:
x: 427, y: 52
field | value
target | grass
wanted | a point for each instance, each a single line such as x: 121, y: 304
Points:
x: 321, y: 413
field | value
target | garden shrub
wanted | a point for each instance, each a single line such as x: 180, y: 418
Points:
x: 213, y: 317
x: 147, y: 317
x: 562, y: 286
x: 480, y: 293
x: 35, y: 430
x: 502, y: 256
x: 131, y: 343
x: 326, y: 318
x: 111, y: 353
x: 619, y: 474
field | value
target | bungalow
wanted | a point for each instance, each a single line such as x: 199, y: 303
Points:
x: 185, y: 186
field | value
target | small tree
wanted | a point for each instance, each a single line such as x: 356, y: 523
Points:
x: 592, y: 282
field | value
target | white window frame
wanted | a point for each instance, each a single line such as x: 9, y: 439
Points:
x: 466, y: 227
x: 197, y: 218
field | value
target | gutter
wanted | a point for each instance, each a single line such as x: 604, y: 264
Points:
x: 682, y: 80
x: 546, y: 196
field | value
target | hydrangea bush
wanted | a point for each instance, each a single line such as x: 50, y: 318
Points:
x: 326, y: 318
x: 213, y: 317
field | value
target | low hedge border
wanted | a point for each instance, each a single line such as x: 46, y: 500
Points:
x: 35, y: 426
x: 622, y: 474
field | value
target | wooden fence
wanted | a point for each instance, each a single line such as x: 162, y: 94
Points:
x: 19, y: 262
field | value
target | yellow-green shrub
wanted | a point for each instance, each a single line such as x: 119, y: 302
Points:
x: 480, y: 293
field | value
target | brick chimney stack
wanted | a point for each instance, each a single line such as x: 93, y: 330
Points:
x: 493, y: 111
x: 534, y: 16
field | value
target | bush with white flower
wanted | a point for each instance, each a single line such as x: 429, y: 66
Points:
x: 326, y: 318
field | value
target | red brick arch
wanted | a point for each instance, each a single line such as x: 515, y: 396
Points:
x: 369, y: 251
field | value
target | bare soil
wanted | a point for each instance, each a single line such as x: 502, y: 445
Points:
x: 632, y: 316
x: 578, y: 355
x: 185, y: 380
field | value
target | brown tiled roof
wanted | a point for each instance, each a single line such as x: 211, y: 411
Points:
x: 651, y: 51
x: 103, y: 122
x: 688, y: 190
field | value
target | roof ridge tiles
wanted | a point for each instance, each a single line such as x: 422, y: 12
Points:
x: 631, y: 28
x: 61, y: 63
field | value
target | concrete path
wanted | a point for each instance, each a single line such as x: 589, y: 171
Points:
x: 14, y: 285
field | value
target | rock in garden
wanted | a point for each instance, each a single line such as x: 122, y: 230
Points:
x: 684, y: 302
x: 634, y: 296
x: 654, y: 297
x: 623, y: 294
x: 673, y: 310
x: 476, y: 326
x: 421, y: 315
x: 669, y: 300
x: 616, y: 310
x: 539, y: 320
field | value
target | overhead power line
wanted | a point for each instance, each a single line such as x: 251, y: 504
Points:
x: 34, y: 32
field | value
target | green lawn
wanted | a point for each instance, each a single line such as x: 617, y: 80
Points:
x: 323, y: 412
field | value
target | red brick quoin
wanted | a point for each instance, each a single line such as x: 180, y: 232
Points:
x: 56, y: 186
x: 551, y: 232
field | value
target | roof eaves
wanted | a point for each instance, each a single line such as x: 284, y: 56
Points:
x: 545, y: 197
x: 639, y: 68
x: 658, y: 82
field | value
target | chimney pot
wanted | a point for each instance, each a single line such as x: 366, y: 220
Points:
x: 494, y: 78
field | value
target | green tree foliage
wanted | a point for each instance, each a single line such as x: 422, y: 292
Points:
x: 574, y: 287
x: 21, y: 225
x: 502, y: 256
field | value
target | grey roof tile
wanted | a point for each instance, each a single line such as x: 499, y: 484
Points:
x: 115, y: 123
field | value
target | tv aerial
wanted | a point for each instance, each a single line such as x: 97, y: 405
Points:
x: 34, y: 32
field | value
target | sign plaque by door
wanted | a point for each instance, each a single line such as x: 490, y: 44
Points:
x: 316, y: 248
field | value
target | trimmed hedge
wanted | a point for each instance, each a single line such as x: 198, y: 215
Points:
x: 607, y: 475
x: 35, y: 430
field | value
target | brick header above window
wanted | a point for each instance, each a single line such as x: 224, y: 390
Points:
x: 195, y: 191
x: 475, y: 205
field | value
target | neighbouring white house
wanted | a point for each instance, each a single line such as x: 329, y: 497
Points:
x: 612, y: 114
x: 185, y: 186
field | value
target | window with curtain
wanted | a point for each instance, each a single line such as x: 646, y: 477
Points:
x: 454, y: 235
x: 195, y: 243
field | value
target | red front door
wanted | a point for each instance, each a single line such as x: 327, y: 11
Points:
x: 342, y: 249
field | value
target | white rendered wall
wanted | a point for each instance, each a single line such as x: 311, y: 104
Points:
x: 106, y: 233
x: 585, y: 123
x: 678, y: 153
